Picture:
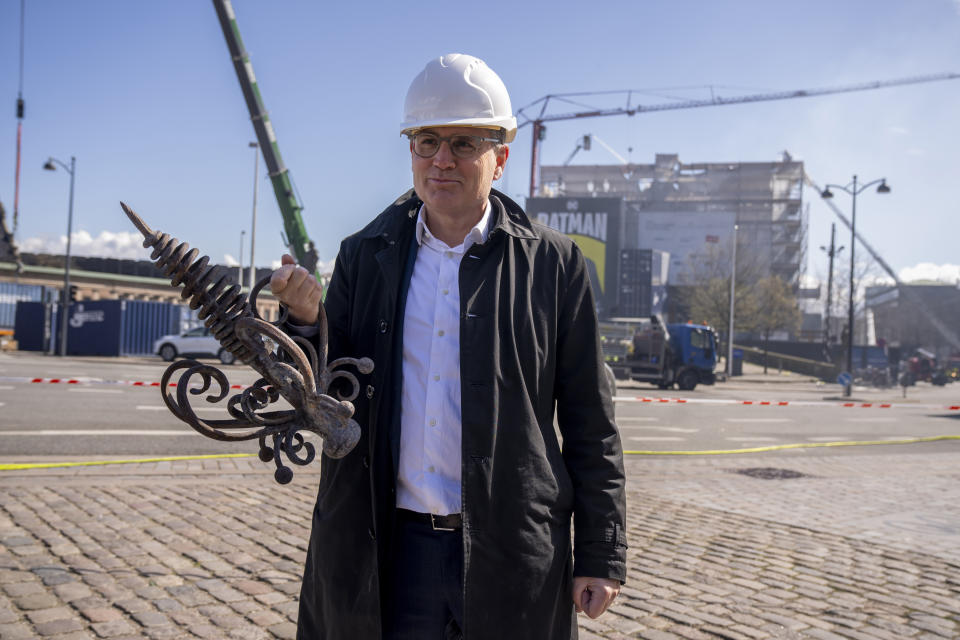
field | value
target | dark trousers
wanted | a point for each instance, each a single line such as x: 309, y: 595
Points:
x: 426, y: 599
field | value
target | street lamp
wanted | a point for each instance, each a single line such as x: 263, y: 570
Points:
x: 253, y: 224
x: 853, y: 190
x: 50, y: 165
x: 833, y: 251
x: 240, y: 261
x: 733, y: 279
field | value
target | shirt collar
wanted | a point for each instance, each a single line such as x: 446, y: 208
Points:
x: 477, y: 235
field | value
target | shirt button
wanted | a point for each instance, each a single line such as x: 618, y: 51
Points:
x: 433, y: 422
x: 383, y: 326
x: 446, y: 292
x: 431, y: 469
x: 366, y: 462
x: 372, y: 535
x: 369, y: 391
x: 436, y: 377
x: 449, y: 254
x: 440, y: 333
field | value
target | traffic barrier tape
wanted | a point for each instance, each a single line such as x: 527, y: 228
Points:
x: 784, y: 403
x: 21, y: 466
x: 798, y: 445
x: 132, y: 383
x: 645, y: 399
x: 18, y: 466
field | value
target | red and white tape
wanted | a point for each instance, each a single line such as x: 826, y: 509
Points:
x: 131, y: 383
x: 641, y: 399
x: 783, y: 403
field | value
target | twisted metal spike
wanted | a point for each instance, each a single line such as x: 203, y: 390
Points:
x: 302, y: 379
x: 206, y: 287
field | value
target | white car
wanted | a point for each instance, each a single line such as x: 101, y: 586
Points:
x: 195, y: 343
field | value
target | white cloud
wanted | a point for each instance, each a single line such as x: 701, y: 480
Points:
x: 900, y: 131
x: 322, y: 266
x: 108, y: 244
x: 948, y: 273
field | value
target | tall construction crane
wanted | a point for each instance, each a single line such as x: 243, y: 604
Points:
x: 535, y: 113
x: 296, y: 232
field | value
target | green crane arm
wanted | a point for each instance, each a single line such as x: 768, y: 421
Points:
x: 296, y: 232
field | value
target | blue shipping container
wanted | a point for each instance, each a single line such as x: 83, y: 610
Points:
x: 99, y: 327
x: 30, y: 327
x: 10, y: 294
x: 143, y: 322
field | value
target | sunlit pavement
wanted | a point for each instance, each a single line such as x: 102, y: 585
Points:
x: 787, y: 544
x: 865, y: 547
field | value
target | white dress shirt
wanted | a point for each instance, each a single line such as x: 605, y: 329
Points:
x: 428, y: 478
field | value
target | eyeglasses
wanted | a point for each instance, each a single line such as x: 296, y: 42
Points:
x: 465, y: 147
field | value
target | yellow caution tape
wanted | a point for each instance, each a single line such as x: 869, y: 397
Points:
x: 800, y: 445
x: 16, y: 466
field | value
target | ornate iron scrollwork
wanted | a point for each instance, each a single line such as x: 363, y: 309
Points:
x: 294, y: 371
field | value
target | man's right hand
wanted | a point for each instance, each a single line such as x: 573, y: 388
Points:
x: 298, y: 289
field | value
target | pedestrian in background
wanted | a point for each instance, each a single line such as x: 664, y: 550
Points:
x: 451, y: 518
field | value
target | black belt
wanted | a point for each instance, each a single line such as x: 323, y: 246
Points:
x: 452, y: 522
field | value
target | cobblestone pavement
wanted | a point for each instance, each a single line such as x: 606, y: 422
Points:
x: 864, y: 548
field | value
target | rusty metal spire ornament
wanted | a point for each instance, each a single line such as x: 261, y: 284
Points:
x: 295, y: 372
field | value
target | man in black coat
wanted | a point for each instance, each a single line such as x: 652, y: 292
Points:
x: 451, y: 518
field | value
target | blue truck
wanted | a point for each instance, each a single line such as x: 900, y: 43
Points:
x: 649, y: 350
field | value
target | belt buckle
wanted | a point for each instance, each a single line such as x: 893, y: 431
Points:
x: 433, y: 524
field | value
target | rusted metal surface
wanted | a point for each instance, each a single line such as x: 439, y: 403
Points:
x: 295, y: 371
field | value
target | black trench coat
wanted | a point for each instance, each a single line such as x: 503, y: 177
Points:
x: 528, y: 346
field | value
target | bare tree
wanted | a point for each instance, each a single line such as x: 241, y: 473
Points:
x: 706, y: 290
x: 776, y: 309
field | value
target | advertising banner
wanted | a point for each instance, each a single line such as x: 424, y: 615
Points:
x: 595, y: 224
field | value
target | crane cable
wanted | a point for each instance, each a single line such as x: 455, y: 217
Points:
x: 16, y: 179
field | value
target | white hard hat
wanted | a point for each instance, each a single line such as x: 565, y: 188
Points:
x: 458, y: 90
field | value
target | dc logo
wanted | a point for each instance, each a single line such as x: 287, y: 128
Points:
x: 572, y: 205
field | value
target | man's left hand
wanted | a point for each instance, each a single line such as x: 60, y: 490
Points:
x: 592, y: 596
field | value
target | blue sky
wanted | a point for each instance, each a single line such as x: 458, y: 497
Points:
x: 144, y: 95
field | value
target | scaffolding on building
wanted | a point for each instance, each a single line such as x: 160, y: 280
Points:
x: 765, y: 199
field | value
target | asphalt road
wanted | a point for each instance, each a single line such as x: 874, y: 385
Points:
x: 105, y: 415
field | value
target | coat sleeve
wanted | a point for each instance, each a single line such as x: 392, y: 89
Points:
x: 336, y: 304
x: 591, y: 442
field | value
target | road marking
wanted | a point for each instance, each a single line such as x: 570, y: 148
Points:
x: 153, y: 407
x: 99, y: 432
x: 669, y: 429
x: 757, y: 420
x: 749, y: 439
x: 2, y: 403
x: 828, y: 438
x: 6, y: 387
x: 655, y: 438
x: 85, y: 390
x: 870, y: 420
x: 636, y: 419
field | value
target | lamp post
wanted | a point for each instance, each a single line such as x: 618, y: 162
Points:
x: 733, y: 279
x: 853, y: 189
x: 253, y: 224
x: 833, y: 251
x: 50, y: 165
x: 243, y: 232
